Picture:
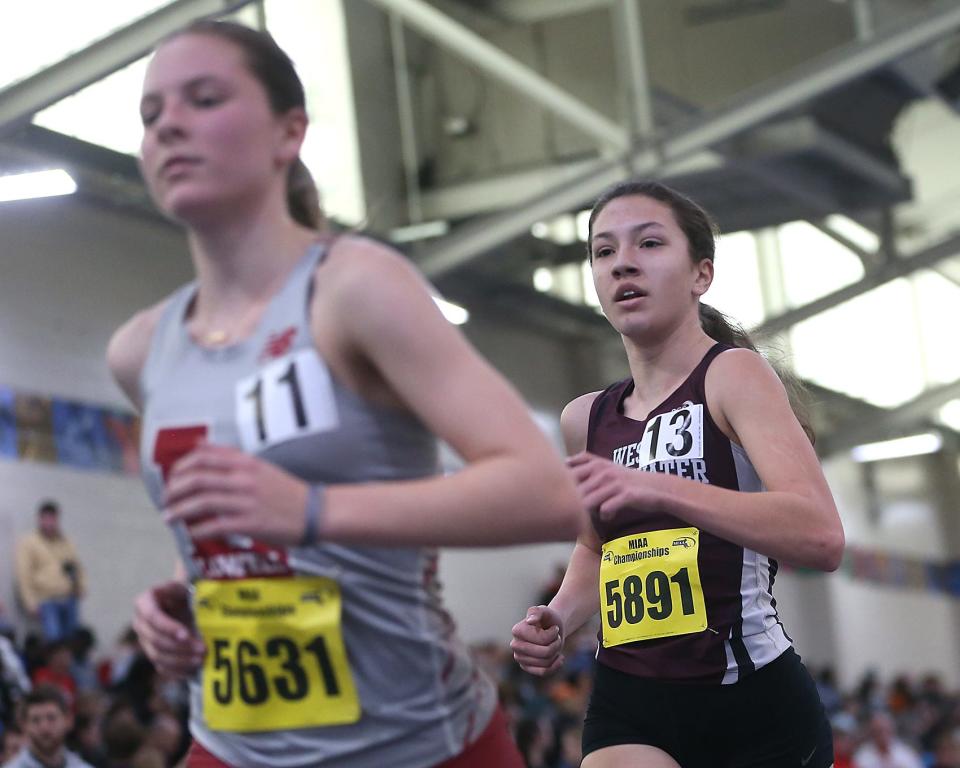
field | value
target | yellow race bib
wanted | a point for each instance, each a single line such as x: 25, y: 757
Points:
x: 650, y: 586
x: 275, y: 654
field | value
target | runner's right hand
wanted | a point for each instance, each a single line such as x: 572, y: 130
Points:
x: 164, y: 624
x: 538, y: 641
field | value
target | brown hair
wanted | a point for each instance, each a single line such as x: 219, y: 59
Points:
x: 42, y: 694
x: 271, y: 66
x: 48, y: 507
x: 701, y: 232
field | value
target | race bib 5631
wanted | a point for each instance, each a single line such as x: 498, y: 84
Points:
x: 275, y: 654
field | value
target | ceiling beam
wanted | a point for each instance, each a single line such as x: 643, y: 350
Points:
x: 756, y: 153
x: 468, y: 45
x: 507, y: 190
x: 895, y: 422
x: 804, y: 83
x: 869, y: 259
x: 530, y: 11
x: 889, y: 270
x: 495, y: 193
x: 21, y: 100
x: 632, y: 70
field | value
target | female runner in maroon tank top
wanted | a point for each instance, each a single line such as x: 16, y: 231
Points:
x: 224, y: 120
x: 694, y: 667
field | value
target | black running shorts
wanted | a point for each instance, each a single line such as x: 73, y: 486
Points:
x: 772, y: 718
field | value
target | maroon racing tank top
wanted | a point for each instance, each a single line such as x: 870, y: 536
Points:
x: 680, y: 604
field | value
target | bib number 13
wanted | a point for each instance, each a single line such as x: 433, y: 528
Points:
x: 289, y: 397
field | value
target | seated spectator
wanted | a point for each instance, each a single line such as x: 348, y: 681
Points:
x: 868, y: 693
x: 901, y: 697
x: 56, y: 671
x: 846, y: 738
x: 535, y: 741
x: 827, y: 688
x: 6, y: 625
x: 883, y: 749
x: 147, y: 757
x: 932, y: 691
x: 166, y: 736
x: 45, y: 719
x: 14, y: 682
x: 12, y: 742
x: 946, y: 753
x: 82, y: 642
x: 86, y: 739
x: 570, y: 736
x: 125, y: 741
x: 122, y: 736
x: 114, y: 668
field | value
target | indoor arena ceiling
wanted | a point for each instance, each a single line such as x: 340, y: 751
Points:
x: 483, y: 127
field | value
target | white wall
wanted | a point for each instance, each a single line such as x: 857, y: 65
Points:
x: 69, y: 275
x: 805, y: 607
x: 894, y: 630
x: 907, y: 520
x: 885, y: 627
x: 488, y: 591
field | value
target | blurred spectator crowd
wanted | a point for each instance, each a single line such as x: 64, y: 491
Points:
x: 124, y: 714
x: 898, y: 723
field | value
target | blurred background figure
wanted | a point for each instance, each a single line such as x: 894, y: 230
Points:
x: 947, y: 751
x: 56, y: 671
x: 49, y: 575
x: 883, y: 749
x: 45, y: 720
x: 12, y: 742
x: 845, y: 739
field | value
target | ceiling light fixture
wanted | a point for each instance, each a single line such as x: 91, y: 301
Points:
x: 914, y: 445
x: 453, y: 312
x: 23, y: 186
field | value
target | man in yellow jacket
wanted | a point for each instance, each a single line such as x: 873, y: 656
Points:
x: 49, y: 575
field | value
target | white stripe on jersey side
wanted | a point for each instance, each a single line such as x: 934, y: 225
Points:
x: 762, y: 633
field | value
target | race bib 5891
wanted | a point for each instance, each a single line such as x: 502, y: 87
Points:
x: 650, y: 586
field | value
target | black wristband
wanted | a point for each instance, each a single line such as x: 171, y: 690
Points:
x: 312, y: 512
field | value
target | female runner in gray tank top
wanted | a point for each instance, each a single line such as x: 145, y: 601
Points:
x: 290, y: 399
x: 699, y: 478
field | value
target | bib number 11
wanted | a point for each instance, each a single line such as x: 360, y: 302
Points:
x: 287, y: 398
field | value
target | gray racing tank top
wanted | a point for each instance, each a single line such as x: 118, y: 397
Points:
x: 421, y: 698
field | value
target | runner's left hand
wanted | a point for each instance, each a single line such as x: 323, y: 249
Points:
x: 217, y: 490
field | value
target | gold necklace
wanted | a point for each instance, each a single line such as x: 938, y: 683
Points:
x: 215, y: 338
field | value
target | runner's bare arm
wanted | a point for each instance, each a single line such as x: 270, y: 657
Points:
x: 513, y: 488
